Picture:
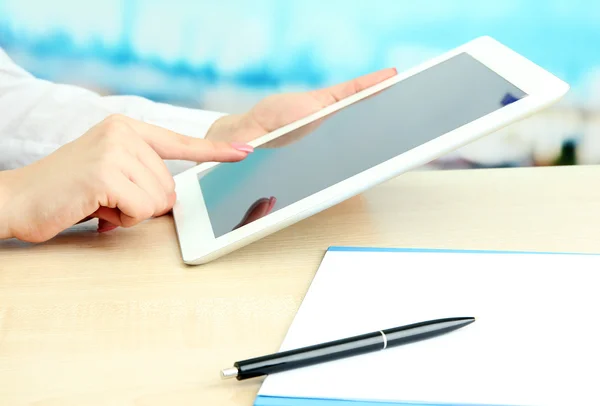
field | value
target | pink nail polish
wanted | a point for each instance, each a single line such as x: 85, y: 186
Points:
x: 242, y: 147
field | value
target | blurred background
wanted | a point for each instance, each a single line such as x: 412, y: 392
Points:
x: 225, y: 55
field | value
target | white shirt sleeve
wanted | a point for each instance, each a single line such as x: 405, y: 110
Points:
x: 37, y: 116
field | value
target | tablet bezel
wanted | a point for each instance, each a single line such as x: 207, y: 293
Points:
x: 195, y: 233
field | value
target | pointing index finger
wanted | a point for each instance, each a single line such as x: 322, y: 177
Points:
x: 171, y: 145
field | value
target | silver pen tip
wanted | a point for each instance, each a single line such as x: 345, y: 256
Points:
x: 229, y: 373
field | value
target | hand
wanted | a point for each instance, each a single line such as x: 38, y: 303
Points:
x: 279, y: 110
x: 114, y: 172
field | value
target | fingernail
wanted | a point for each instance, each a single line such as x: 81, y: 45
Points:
x: 107, y: 228
x: 242, y: 147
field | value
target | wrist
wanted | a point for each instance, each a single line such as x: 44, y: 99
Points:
x: 6, y: 194
x: 225, y: 128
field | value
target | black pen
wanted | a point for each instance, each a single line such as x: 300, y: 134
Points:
x: 344, y: 348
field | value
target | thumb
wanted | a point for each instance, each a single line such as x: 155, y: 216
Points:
x: 108, y: 219
x: 342, y: 90
x: 171, y: 145
x: 104, y: 226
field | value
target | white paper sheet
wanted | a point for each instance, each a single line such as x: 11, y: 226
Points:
x: 536, y: 340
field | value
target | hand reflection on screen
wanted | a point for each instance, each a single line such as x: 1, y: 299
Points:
x: 259, y: 209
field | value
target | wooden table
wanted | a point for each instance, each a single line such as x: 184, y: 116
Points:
x: 117, y: 319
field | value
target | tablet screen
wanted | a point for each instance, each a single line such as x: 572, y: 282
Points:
x: 353, y: 139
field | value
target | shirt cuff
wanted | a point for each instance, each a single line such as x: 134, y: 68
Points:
x: 182, y: 120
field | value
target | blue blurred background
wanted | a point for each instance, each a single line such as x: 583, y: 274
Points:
x: 225, y: 55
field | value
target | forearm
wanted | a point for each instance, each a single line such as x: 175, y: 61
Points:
x: 54, y: 115
x: 39, y: 116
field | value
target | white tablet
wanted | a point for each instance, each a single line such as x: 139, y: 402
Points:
x: 409, y: 120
